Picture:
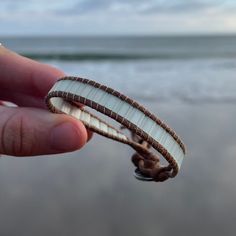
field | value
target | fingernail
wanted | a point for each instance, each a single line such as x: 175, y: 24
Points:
x: 65, y: 137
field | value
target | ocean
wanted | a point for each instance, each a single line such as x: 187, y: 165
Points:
x: 187, y: 69
x: 190, y: 83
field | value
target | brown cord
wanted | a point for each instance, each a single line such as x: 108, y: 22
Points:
x: 148, y: 163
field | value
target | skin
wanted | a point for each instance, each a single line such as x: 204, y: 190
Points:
x: 30, y: 129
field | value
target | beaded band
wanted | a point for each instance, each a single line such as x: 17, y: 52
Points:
x: 146, y: 129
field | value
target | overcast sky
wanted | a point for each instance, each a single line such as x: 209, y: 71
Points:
x: 112, y: 17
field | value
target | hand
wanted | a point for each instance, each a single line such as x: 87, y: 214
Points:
x: 30, y: 129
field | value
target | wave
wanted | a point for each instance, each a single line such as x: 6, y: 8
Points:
x: 198, y: 99
x: 125, y: 56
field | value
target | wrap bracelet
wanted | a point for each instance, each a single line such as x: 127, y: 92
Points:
x: 147, y: 131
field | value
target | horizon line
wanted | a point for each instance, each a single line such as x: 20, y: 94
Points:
x: 216, y: 34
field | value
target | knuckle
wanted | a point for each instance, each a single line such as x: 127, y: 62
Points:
x: 16, y: 136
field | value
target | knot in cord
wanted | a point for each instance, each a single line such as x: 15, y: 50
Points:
x: 150, y: 167
x: 148, y: 164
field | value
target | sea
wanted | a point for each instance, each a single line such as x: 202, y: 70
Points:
x: 180, y: 68
x: 187, y: 81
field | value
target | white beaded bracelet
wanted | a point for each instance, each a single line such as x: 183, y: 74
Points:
x: 147, y: 130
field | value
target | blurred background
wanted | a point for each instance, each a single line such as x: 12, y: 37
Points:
x: 178, y: 58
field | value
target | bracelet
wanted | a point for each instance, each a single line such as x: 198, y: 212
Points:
x: 147, y: 131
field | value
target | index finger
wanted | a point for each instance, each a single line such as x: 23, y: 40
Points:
x: 19, y: 74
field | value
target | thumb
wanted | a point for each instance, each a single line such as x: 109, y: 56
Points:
x: 32, y: 131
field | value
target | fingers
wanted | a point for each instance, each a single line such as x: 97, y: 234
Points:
x: 20, y: 75
x: 23, y: 100
x: 26, y: 82
x: 28, y: 132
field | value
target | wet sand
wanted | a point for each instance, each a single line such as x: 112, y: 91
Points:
x: 93, y: 192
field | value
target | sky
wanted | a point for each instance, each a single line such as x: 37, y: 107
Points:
x: 117, y: 17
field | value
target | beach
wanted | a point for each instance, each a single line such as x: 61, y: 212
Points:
x: 93, y: 191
